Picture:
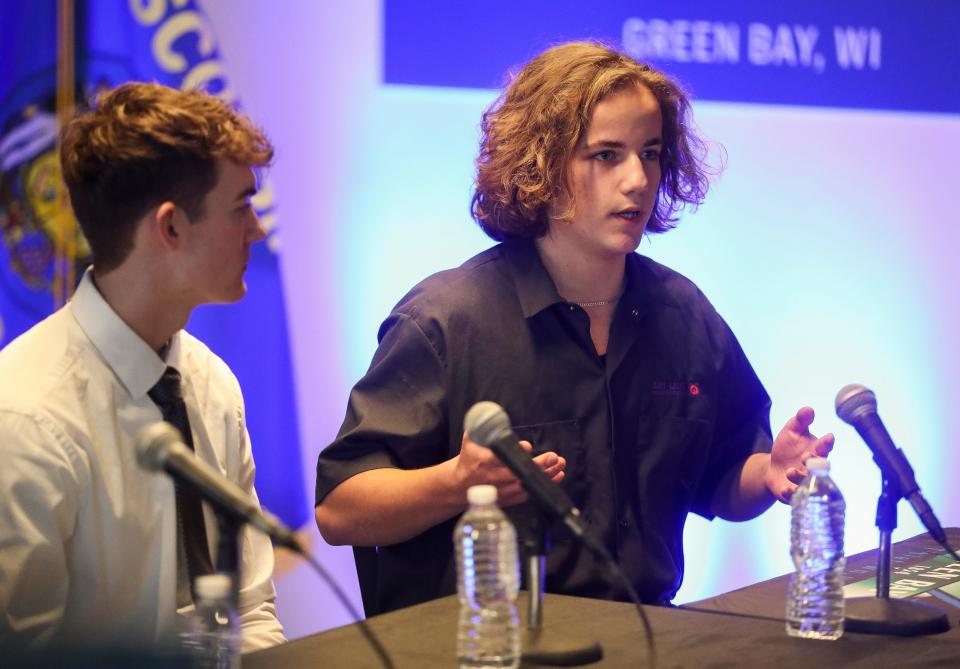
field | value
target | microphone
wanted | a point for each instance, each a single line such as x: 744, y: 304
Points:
x: 857, y: 406
x: 487, y: 424
x: 160, y: 447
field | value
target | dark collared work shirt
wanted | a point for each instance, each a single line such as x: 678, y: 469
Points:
x: 648, y: 430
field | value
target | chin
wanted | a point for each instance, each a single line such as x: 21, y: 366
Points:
x: 234, y: 295
x: 625, y: 245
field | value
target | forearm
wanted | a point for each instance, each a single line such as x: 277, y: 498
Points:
x: 389, y: 505
x: 743, y: 493
x: 258, y: 612
x: 261, y: 628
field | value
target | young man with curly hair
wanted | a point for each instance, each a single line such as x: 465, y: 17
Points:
x: 93, y: 548
x: 633, y: 392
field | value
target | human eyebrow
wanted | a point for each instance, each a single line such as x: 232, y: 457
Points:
x: 612, y: 144
x: 603, y: 144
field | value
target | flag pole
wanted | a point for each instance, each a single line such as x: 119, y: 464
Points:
x: 65, y: 241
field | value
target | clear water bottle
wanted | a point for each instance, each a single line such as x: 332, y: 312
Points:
x: 213, y: 638
x: 815, y: 597
x: 488, y: 634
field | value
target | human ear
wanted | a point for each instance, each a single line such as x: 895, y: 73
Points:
x: 165, y: 223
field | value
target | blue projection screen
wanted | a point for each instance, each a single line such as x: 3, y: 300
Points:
x: 858, y: 53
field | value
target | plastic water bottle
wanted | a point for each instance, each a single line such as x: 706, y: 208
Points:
x: 488, y: 634
x: 213, y: 640
x: 815, y: 599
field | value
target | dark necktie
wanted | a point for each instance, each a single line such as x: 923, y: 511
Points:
x: 191, y: 531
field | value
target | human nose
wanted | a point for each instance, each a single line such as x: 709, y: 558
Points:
x: 256, y: 231
x: 635, y: 178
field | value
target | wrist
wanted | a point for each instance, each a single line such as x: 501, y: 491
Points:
x: 770, y: 483
x: 454, y: 482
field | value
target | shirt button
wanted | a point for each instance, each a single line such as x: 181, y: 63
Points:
x: 635, y: 312
x: 624, y: 523
x: 572, y: 308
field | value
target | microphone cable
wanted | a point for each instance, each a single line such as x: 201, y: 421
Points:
x: 341, y: 596
x: 613, y: 567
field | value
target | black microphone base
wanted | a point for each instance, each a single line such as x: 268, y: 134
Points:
x: 557, y: 648
x: 894, y: 617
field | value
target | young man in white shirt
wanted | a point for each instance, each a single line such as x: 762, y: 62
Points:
x: 90, y: 553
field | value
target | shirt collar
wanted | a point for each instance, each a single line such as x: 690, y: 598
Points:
x: 644, y: 287
x: 136, y: 365
x: 537, y: 291
x: 535, y: 288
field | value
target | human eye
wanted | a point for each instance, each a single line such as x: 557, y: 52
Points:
x: 604, y: 156
x: 651, y: 154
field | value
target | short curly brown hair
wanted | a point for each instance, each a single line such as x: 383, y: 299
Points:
x: 532, y: 129
x: 144, y: 144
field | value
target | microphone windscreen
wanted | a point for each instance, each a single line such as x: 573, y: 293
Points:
x: 855, y: 401
x: 154, y: 443
x: 486, y: 422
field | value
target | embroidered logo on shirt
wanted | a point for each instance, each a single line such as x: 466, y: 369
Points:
x: 676, y: 388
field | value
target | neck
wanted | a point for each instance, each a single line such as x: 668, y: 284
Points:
x: 136, y: 295
x: 579, y: 276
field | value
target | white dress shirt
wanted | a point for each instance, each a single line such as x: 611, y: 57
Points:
x: 88, y: 549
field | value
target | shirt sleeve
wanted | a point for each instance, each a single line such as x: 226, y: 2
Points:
x: 258, y: 611
x: 743, y: 419
x: 40, y: 482
x: 396, y: 414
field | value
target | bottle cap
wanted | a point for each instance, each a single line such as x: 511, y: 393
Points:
x: 818, y: 465
x: 212, y: 586
x: 482, y: 494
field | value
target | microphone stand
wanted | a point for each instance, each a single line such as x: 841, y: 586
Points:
x: 228, y: 553
x: 539, y: 645
x: 881, y: 614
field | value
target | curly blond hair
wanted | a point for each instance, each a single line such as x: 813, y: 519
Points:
x: 144, y: 144
x: 532, y: 129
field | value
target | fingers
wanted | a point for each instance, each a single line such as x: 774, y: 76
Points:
x: 824, y: 445
x: 550, y: 461
x: 511, y: 494
x: 480, y: 465
x: 787, y: 492
x: 802, y: 420
x: 497, y: 475
x: 546, y: 460
x: 795, y: 475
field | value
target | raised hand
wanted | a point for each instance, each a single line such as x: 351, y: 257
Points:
x: 791, y: 449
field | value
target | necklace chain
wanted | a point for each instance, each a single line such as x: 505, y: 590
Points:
x: 598, y: 303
